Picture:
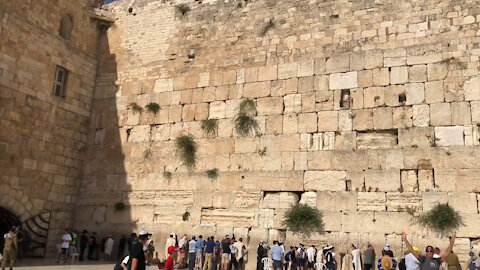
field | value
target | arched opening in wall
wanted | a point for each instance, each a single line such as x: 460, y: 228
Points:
x: 7, y: 221
x: 66, y: 26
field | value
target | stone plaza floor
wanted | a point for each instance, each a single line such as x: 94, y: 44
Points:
x: 34, y: 264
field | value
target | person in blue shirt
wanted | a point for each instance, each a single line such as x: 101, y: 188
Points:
x: 209, y: 251
x: 198, y: 261
x: 277, y: 254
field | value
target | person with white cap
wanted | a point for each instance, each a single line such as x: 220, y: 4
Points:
x: 137, y: 255
x: 170, y: 242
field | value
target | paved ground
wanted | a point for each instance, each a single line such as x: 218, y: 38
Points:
x: 39, y: 264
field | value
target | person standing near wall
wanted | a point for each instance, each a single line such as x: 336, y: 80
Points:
x: 137, y: 254
x: 83, y: 243
x: 369, y: 258
x: 10, y: 249
x: 192, y: 251
x: 209, y: 250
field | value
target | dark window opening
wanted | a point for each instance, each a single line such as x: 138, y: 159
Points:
x: 402, y: 98
x: 60, y: 81
x: 66, y: 26
x: 345, y: 99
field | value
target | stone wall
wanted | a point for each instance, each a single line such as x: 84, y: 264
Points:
x: 42, y: 136
x: 366, y: 109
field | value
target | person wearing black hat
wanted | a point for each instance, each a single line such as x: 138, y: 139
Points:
x: 83, y: 243
x: 137, y: 255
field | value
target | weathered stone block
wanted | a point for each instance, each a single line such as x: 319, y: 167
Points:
x: 346, y: 140
x: 421, y: 115
x: 309, y: 198
x: 267, y: 73
x: 434, y: 92
x: 449, y: 136
x: 373, y: 59
x: 307, y: 122
x: 279, y: 200
x: 430, y: 199
x: 461, y: 114
x: 290, y: 124
x: 340, y: 200
x: 381, y: 77
x: 217, y: 110
x: 343, y: 80
x: 327, y: 121
x: 305, y: 67
x: 338, y: 63
x: 415, y: 93
x: 287, y: 70
x: 463, y: 202
x: 365, y: 78
x: 399, y: 75
x: 393, y: 94
x: 373, y: 97
x: 440, y: 114
x: 350, y: 221
x: 325, y: 180
x: 472, y: 89
x: 363, y: 119
x: 255, y: 90
x: 475, y: 105
x: 163, y: 85
x: 437, y: 71
x: 270, y: 106
x: 401, y: 202
x: 371, y: 201
x: 417, y: 73
x: 382, y: 180
x: 445, y: 180
x: 416, y: 137
x: 293, y: 103
x: 402, y: 117
x: 376, y: 140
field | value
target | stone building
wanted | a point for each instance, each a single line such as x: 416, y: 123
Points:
x: 365, y: 109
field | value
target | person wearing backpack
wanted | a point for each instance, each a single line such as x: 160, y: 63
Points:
x: 428, y: 262
x: 10, y: 248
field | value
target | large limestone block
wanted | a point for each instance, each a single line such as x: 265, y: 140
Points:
x: 416, y: 137
x: 381, y: 77
x: 421, y: 115
x: 449, y: 136
x: 346, y: 140
x: 319, y: 160
x: 445, y: 179
x: 382, y: 180
x: 373, y: 59
x: 376, y: 140
x: 264, y: 218
x: 332, y: 220
x: 339, y: 200
x: 440, y: 114
x: 430, y: 199
x: 399, y: 75
x: 267, y: 73
x: 472, y: 89
x: 463, y: 202
x: 393, y: 222
x: 287, y: 70
x: 293, y: 103
x: 373, y: 97
x: 415, y: 93
x: 225, y: 217
x: 351, y: 221
x: 417, y: 73
x: 256, y: 89
x: 281, y: 200
x: 307, y: 122
x: 306, y: 67
x: 346, y: 80
x: 309, y: 198
x: 402, y: 202
x: 471, y: 226
x: 382, y: 118
x: 402, y: 117
x: 437, y: 71
x: 409, y: 180
x: 461, y: 114
x: 475, y: 105
x: 163, y: 85
x: 270, y: 106
x: 363, y: 119
x: 338, y: 63
x: 371, y: 201
x: 467, y: 180
x: 246, y: 199
x: 325, y: 180
x: 273, y: 180
x: 327, y: 121
x: 140, y: 134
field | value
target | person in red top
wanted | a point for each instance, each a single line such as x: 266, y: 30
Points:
x: 172, y: 251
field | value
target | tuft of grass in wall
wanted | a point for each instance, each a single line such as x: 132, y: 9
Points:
x: 454, y: 63
x: 212, y: 174
x: 182, y: 9
x: 245, y: 121
x: 147, y: 154
x: 304, y: 219
x: 187, y: 148
x: 442, y: 219
x: 135, y: 107
x: 267, y: 27
x: 167, y: 175
x: 210, y: 126
x: 186, y: 216
x: 152, y: 107
x: 119, y: 206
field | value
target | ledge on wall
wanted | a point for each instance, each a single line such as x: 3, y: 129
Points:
x: 102, y: 16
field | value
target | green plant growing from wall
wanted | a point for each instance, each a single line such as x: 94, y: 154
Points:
x: 186, y: 216
x: 210, y: 126
x: 187, y: 148
x: 442, y: 219
x: 119, y: 206
x: 304, y: 219
x: 136, y: 108
x: 182, y: 9
x: 267, y: 27
x: 167, y: 175
x: 152, y: 107
x: 212, y: 174
x: 245, y: 121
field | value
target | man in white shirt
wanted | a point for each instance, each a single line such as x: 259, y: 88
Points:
x: 311, y: 257
x: 66, y: 239
x: 192, y: 251
x: 411, y: 262
x: 239, y: 252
